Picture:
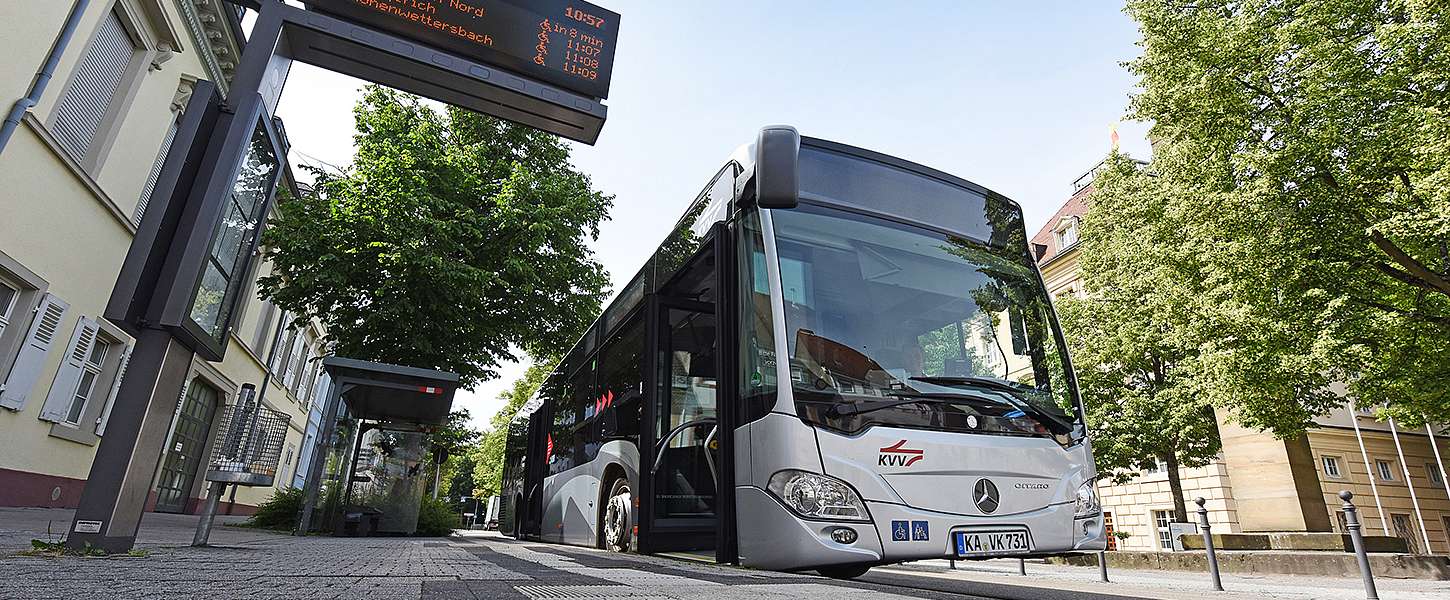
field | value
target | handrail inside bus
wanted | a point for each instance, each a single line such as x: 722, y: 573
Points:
x: 665, y: 442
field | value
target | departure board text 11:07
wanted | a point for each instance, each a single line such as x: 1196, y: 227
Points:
x: 563, y: 42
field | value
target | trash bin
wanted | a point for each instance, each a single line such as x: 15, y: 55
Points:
x: 360, y: 522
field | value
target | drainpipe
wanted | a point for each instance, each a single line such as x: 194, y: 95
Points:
x: 42, y: 77
x: 1409, y: 483
x: 1369, y: 470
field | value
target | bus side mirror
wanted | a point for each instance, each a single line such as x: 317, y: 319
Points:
x: 777, y: 167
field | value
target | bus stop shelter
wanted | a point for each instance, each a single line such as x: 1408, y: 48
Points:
x: 369, y: 467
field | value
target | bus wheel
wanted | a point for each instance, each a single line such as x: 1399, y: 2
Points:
x: 844, y: 571
x: 616, y: 517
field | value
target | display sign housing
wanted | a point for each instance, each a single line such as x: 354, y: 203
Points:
x: 563, y: 42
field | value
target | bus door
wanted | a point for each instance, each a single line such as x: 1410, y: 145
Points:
x: 681, y: 465
x: 531, y: 513
x: 682, y: 461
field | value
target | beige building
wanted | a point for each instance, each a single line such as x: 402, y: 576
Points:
x: 1259, y: 483
x: 74, y: 178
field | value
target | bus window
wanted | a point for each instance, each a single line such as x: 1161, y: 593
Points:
x: 757, y: 333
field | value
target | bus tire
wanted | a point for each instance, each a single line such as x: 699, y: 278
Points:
x: 844, y: 571
x: 614, y: 517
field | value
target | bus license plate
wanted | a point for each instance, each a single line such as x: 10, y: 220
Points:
x: 991, y: 543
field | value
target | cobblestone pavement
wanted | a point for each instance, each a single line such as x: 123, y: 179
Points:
x: 259, y: 565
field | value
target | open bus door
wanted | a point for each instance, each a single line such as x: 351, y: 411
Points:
x: 531, y: 512
x: 686, y: 460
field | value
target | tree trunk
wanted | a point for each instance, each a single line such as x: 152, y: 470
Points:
x: 1175, y: 487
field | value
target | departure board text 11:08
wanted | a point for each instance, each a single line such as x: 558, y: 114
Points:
x: 563, y: 42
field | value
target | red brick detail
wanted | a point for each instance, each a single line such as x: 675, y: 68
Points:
x: 33, y: 490
x: 22, y: 488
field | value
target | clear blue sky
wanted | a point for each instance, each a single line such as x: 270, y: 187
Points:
x: 1017, y: 97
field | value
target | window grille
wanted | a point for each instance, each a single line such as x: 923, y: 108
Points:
x: 155, y: 173
x: 97, y: 77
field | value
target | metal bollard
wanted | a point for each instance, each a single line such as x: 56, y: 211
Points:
x: 1351, y: 522
x: 1021, y: 566
x: 1208, y: 544
x: 1103, y: 566
x: 208, y: 514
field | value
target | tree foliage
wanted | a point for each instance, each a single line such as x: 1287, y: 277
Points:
x: 489, y: 454
x: 452, y: 238
x: 1135, y: 349
x: 1305, y: 148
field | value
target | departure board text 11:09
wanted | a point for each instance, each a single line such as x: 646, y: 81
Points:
x: 563, y: 42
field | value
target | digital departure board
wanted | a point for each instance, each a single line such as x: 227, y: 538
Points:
x: 563, y: 42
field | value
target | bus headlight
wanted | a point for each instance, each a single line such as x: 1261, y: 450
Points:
x: 817, y: 496
x: 1087, y: 500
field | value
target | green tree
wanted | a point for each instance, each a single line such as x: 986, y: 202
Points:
x: 454, y: 437
x: 1137, y: 359
x: 1307, y: 147
x: 452, y: 238
x: 489, y: 453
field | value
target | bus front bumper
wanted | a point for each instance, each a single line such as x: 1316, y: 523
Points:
x: 773, y: 537
x: 913, y: 534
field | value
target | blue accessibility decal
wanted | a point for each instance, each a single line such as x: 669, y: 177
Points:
x: 900, y: 531
x: 919, y: 532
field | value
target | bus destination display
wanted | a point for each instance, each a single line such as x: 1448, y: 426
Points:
x: 567, y: 43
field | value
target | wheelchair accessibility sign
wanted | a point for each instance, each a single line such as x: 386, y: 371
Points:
x: 900, y: 531
x: 910, y: 531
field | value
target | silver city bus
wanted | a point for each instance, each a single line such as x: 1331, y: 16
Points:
x: 836, y: 359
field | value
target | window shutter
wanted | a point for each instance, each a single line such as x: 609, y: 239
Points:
x: 155, y: 173
x: 30, y: 361
x: 63, y: 389
x: 97, y: 76
x: 115, y: 389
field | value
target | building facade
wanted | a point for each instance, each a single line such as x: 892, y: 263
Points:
x: 1259, y: 483
x: 74, y: 182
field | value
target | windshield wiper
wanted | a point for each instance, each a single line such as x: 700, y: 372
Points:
x: 903, y: 398
x: 1011, y: 391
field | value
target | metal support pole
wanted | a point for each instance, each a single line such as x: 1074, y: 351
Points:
x: 1351, y: 521
x: 1410, y: 485
x: 1208, y: 544
x: 1103, y: 566
x: 954, y: 563
x: 208, y: 513
x: 1021, y: 566
x: 1369, y: 470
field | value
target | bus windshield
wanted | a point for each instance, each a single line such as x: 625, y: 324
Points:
x: 896, y: 325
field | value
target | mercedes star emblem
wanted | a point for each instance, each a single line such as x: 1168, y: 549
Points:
x: 985, y: 496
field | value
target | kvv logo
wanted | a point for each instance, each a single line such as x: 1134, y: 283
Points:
x: 898, y: 455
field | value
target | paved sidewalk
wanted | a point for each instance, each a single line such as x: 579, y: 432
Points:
x: 258, y: 565
x: 1159, y: 584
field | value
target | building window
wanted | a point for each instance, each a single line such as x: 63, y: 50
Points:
x: 94, y: 87
x: 1386, y: 470
x: 1161, y: 519
x: 1066, y: 233
x: 86, y: 387
x: 1403, y: 529
x: 9, y: 297
x: 1331, y: 467
x: 1158, y: 467
x: 1433, y: 471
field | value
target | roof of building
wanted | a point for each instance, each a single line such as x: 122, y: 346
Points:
x: 1043, y: 246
